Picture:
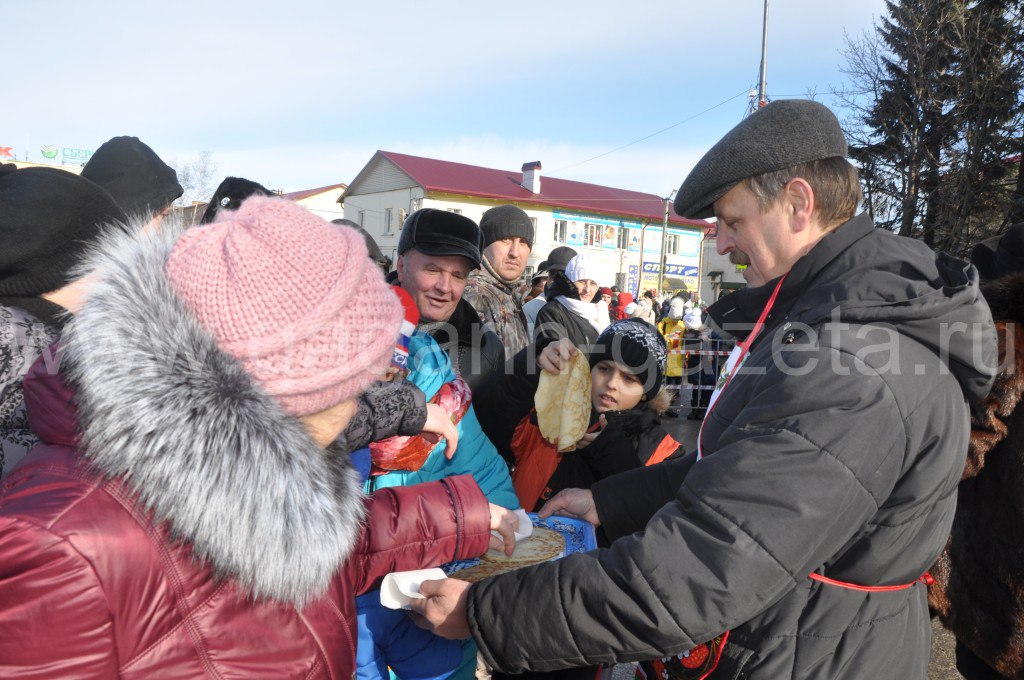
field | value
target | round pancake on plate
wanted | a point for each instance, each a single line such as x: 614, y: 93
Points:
x: 563, y: 403
x: 542, y: 546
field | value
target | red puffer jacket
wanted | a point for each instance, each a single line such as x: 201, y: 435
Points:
x: 92, y: 586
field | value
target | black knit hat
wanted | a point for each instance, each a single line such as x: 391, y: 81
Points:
x: 784, y: 133
x: 557, y: 259
x: 1001, y: 255
x: 47, y: 220
x: 134, y: 175
x: 230, y: 194
x: 439, y: 232
x: 636, y: 345
x: 506, y: 221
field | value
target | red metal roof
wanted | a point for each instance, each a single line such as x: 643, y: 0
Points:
x: 299, y: 195
x: 505, y: 185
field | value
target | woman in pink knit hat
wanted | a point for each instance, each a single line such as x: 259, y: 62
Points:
x: 191, y: 511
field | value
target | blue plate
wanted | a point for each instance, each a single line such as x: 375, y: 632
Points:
x: 579, y: 537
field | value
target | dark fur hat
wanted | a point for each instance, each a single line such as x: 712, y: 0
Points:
x: 1001, y: 255
x: 230, y: 194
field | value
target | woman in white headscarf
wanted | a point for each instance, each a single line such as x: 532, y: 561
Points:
x: 571, y: 311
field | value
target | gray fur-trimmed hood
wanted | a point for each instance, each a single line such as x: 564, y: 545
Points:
x: 205, y: 448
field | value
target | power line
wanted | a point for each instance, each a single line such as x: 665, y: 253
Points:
x: 653, y: 134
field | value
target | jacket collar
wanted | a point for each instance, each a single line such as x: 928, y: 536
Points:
x: 487, y: 273
x: 735, y: 314
x: 462, y: 321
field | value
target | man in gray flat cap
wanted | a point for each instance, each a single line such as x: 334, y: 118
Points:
x: 794, y: 542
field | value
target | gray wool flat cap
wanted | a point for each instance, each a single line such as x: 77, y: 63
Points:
x: 784, y: 133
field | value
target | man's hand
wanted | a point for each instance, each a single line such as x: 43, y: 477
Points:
x: 578, y: 503
x: 442, y: 610
x: 506, y: 523
x: 440, y: 424
x: 555, y: 357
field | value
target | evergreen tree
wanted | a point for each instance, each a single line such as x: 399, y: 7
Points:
x: 975, y: 192
x: 937, y: 96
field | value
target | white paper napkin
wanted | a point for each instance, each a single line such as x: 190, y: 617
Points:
x: 399, y: 588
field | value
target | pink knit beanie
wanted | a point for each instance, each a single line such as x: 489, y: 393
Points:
x: 294, y: 298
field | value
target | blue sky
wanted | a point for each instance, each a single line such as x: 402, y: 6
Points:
x: 299, y: 94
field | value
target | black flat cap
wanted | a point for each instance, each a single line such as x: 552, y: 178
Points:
x: 439, y: 232
x: 784, y: 133
x: 557, y: 259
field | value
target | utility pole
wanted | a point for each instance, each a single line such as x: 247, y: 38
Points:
x: 664, y: 243
x: 762, y: 84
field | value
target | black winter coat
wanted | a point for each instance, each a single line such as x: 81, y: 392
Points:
x: 825, y: 454
x: 556, y: 321
x: 627, y: 442
x: 476, y: 352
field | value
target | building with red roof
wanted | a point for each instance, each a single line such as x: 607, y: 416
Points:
x: 608, y: 225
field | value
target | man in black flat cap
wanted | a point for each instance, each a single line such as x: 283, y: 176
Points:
x: 437, y: 251
x: 793, y: 542
x: 556, y: 261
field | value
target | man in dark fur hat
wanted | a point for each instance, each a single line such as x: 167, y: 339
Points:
x: 978, y: 592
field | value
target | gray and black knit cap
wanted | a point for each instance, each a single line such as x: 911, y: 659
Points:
x: 784, y: 133
x: 636, y: 345
x: 505, y: 221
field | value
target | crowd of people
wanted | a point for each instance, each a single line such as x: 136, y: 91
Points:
x: 217, y: 439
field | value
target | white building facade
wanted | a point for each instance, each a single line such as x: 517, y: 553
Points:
x: 609, y: 227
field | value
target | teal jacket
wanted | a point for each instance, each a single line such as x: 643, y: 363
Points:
x: 476, y: 455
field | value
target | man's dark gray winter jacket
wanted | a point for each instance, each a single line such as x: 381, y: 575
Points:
x: 837, y: 450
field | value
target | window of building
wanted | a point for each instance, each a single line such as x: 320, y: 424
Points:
x: 533, y: 221
x: 457, y: 211
x: 387, y: 220
x: 361, y: 220
x: 672, y: 244
x: 560, y: 228
x: 592, y: 235
x: 623, y: 238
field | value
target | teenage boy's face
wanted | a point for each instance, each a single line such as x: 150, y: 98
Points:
x: 613, y: 388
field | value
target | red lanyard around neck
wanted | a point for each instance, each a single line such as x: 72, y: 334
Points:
x: 744, y: 348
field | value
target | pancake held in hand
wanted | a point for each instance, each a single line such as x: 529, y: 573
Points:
x: 542, y: 546
x: 563, y: 403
